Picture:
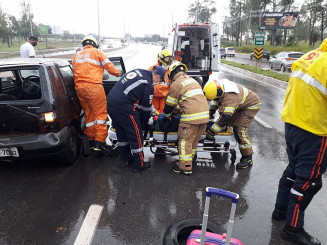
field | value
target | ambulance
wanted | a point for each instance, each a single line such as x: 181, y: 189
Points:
x: 197, y: 46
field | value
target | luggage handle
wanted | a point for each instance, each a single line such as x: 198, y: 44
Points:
x: 223, y: 193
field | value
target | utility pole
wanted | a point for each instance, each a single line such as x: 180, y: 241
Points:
x: 31, y: 24
x: 99, y: 36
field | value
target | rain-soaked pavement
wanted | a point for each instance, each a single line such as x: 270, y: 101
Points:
x: 43, y: 203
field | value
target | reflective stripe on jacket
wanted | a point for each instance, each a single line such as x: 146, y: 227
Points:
x: 188, y: 95
x: 88, y: 65
x: 245, y: 99
x: 305, y: 104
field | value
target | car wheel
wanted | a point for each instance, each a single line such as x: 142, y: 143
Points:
x: 271, y: 66
x: 70, y: 153
x: 282, y: 68
x: 233, y: 55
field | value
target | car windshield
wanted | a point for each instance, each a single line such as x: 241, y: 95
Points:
x: 230, y: 48
x: 295, y: 55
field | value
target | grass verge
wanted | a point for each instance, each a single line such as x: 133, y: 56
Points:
x: 272, y: 74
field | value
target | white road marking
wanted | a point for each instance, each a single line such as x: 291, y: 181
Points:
x: 262, y: 122
x: 86, y: 233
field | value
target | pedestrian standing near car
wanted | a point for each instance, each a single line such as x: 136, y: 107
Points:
x: 239, y: 106
x: 27, y: 49
x: 304, y: 114
x: 88, y: 66
x: 129, y: 106
x: 187, y: 94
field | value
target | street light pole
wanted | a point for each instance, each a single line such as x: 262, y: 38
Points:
x: 99, y: 36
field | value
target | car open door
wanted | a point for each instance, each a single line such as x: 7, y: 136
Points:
x: 215, y: 44
x: 109, y: 80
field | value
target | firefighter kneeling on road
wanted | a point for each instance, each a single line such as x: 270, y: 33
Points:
x: 239, y: 106
x: 129, y: 106
x: 188, y: 95
x: 88, y: 68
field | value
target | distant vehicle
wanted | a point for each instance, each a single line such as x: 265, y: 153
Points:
x: 110, y: 45
x: 223, y: 53
x: 197, y: 46
x: 230, y: 51
x: 266, y: 54
x: 283, y: 61
x: 78, y: 48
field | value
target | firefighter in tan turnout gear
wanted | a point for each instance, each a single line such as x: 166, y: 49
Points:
x: 238, y: 106
x: 187, y: 94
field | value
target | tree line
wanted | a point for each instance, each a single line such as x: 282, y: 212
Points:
x: 244, y: 20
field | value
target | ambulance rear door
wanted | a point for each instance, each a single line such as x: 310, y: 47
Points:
x: 172, y: 40
x: 215, y: 44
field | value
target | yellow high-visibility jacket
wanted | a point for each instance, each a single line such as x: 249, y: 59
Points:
x: 305, y: 103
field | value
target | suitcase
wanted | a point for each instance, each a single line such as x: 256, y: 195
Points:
x: 201, y: 237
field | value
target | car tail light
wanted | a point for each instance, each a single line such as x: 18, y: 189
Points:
x: 290, y: 59
x: 48, y: 121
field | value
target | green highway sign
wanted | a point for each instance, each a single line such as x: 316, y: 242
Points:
x: 259, y: 38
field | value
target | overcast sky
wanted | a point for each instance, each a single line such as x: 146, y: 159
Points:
x: 138, y: 17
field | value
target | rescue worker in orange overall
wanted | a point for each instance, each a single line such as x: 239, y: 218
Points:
x: 88, y: 66
x: 238, y: 106
x: 187, y: 94
x: 162, y: 88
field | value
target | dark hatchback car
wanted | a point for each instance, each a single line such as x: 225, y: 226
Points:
x: 266, y: 54
x: 223, y: 53
x: 40, y: 112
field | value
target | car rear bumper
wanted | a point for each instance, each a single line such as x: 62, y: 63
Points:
x: 35, y: 145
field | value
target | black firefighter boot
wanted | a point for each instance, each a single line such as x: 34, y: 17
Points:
x: 245, y: 162
x: 298, y: 236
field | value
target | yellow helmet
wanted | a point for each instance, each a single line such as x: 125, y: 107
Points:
x: 165, y: 57
x: 213, y: 90
x: 176, y: 67
x: 90, y: 40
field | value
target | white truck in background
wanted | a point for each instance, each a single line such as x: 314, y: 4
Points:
x: 197, y: 46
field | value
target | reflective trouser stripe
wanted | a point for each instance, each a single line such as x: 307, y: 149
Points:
x: 193, y: 152
x: 245, y: 138
x: 123, y: 143
x: 90, y: 124
x: 137, y: 150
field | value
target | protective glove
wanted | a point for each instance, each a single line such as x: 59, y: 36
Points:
x: 121, y: 73
x: 154, y: 112
x: 210, y: 135
x: 150, y: 122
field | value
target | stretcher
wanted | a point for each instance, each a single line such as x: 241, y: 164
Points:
x: 166, y: 143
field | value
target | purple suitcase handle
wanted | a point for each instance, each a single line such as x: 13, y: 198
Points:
x: 222, y: 193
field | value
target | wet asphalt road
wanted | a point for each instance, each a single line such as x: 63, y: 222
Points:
x: 43, y: 203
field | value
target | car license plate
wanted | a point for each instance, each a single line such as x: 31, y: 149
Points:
x: 9, y: 152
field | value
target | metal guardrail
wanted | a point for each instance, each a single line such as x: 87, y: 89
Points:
x: 49, y: 52
x: 39, y: 52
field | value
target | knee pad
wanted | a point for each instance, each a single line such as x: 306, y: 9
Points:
x: 306, y: 194
x: 235, y: 131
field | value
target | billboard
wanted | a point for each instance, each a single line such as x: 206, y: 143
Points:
x: 278, y: 20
